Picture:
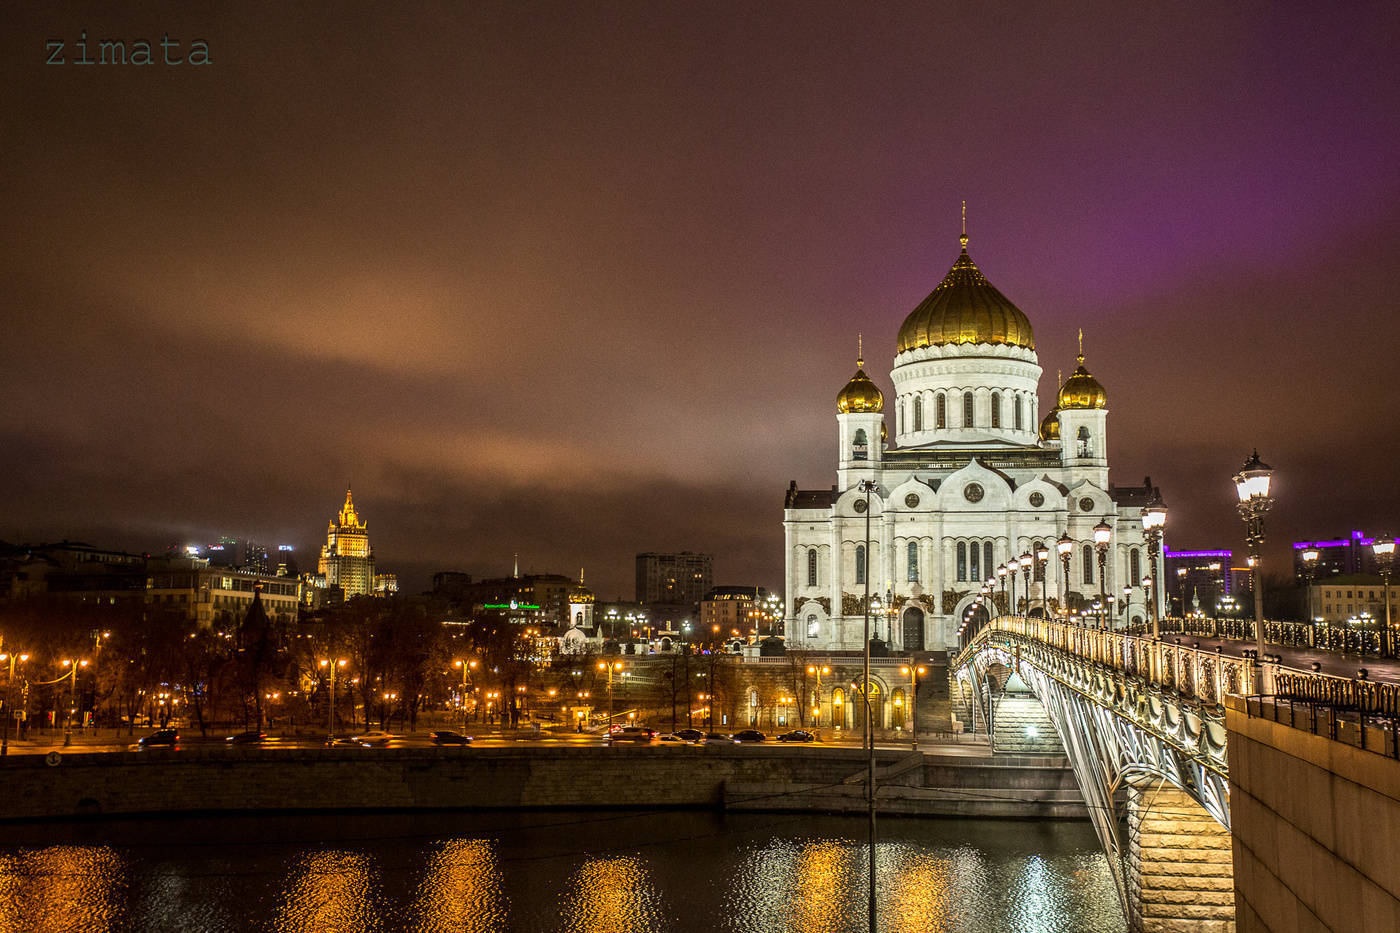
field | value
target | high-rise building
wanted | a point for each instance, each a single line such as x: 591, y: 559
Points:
x: 1197, y: 580
x: 1353, y: 554
x: 682, y: 578
x: 347, y: 560
x: 255, y: 558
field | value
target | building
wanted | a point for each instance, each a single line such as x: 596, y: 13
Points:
x: 1197, y: 580
x: 679, y: 579
x: 1350, y: 555
x: 212, y: 596
x: 1352, y: 598
x: 72, y: 573
x: 967, y: 476
x: 347, y: 560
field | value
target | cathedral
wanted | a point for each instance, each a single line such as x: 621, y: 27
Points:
x: 974, y: 478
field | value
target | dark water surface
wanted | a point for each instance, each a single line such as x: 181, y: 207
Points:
x: 603, y: 872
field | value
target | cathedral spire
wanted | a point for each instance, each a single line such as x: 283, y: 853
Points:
x: 963, y: 239
x: 860, y: 350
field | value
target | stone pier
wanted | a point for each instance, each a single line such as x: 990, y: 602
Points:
x: 1179, y: 873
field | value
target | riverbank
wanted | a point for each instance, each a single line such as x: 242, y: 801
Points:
x: 257, y: 780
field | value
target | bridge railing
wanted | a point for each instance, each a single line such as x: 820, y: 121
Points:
x: 1205, y: 675
x: 1319, y: 636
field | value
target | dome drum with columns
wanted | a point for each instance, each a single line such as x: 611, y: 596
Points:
x: 975, y: 477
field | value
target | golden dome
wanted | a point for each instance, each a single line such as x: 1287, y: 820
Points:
x: 1050, y: 426
x: 965, y: 308
x: 884, y: 432
x: 860, y: 394
x: 1082, y: 390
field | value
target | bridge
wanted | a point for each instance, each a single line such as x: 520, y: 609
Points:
x: 1149, y: 727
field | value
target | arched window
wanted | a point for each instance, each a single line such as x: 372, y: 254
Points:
x: 976, y: 570
x: 967, y: 409
x: 861, y: 447
x: 1016, y: 412
x: 1134, y: 567
x: 812, y: 567
x: 941, y: 411
x: 913, y: 561
x: 813, y: 627
x: 996, y: 409
x: 1086, y: 446
x: 918, y: 414
x: 1038, y: 574
x: 1088, y: 558
x: 860, y: 563
x: 987, y: 557
x: 962, y: 560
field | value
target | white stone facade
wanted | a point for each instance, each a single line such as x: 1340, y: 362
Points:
x: 968, y: 473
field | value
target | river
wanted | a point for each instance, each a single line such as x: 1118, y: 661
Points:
x: 576, y: 871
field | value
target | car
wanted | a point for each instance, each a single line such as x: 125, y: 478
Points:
x: 690, y: 735
x: 161, y: 738
x: 373, y: 738
x: 639, y: 734
x: 343, y: 741
x: 749, y: 735
x: 252, y: 737
x: 674, y: 738
x: 448, y: 737
x: 718, y: 738
x: 797, y: 735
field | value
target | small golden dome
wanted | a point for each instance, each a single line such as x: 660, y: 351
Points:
x: 965, y: 308
x: 580, y: 593
x: 1050, y: 426
x: 860, y: 394
x: 1082, y: 390
x: 884, y: 432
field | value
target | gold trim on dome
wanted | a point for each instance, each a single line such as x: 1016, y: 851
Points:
x: 1050, y: 426
x: 860, y: 394
x: 1081, y: 390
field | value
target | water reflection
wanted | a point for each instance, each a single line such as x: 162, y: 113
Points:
x: 610, y: 895
x: 461, y: 889
x: 328, y: 890
x: 61, y: 888
x: 920, y: 890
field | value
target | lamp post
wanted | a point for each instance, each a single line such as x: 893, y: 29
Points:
x: 1310, y: 558
x: 1012, y: 566
x: 1154, y: 519
x: 914, y: 672
x: 72, y: 665
x: 9, y: 700
x: 868, y: 486
x: 1002, y: 571
x: 1065, y: 546
x: 1252, y: 484
x: 465, y: 666
x: 609, y: 666
x: 1127, y: 598
x: 819, y: 670
x: 1026, y: 562
x: 332, y: 664
x: 1103, y: 534
x: 1042, y: 558
x: 1384, y: 549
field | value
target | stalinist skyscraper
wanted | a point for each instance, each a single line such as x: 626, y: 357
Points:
x: 347, y: 560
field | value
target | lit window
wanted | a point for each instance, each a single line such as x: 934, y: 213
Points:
x: 967, y: 409
x: 996, y: 409
x: 860, y: 563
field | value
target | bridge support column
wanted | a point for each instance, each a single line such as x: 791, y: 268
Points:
x: 1179, y: 874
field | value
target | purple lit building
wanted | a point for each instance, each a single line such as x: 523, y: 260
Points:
x: 1336, y: 557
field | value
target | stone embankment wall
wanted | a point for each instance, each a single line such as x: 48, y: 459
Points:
x: 1316, y: 824
x: 214, y: 780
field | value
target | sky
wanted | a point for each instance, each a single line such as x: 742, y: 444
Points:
x: 576, y: 281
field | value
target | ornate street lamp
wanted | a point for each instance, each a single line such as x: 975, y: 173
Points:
x: 1026, y: 560
x: 1065, y: 546
x: 1127, y: 598
x: 1384, y: 549
x: 1042, y: 557
x: 1154, y: 519
x: 1310, y: 558
x: 1103, y: 534
x: 1001, y: 573
x: 1252, y: 484
x: 1012, y: 566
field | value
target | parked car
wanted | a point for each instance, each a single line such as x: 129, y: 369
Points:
x: 691, y: 735
x: 161, y: 738
x: 251, y: 737
x: 448, y: 737
x: 375, y: 738
x: 797, y: 735
x: 750, y: 735
x: 639, y: 734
